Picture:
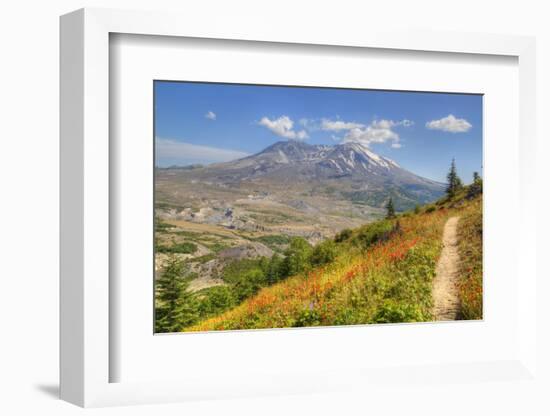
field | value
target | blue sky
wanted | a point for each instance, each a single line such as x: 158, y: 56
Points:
x: 206, y: 123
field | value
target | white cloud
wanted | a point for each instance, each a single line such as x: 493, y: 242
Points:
x: 283, y: 127
x: 371, y: 134
x: 173, y: 152
x: 210, y: 115
x: 378, y: 131
x: 338, y: 125
x: 450, y: 124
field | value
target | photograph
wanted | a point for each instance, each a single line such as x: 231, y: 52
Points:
x: 291, y: 206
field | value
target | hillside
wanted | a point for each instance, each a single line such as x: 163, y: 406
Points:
x: 379, y: 273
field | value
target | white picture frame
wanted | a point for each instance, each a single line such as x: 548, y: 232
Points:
x: 86, y: 356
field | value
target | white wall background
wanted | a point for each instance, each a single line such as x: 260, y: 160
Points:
x: 29, y: 114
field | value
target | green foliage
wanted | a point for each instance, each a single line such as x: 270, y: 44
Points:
x: 476, y: 188
x: 430, y: 208
x: 417, y: 209
x: 343, y: 235
x: 297, y: 257
x: 274, y: 240
x: 249, y: 284
x: 175, y: 306
x: 323, y: 253
x: 182, y: 248
x: 246, y: 277
x: 374, y: 232
x: 454, y: 183
x: 390, y: 210
x: 308, y: 317
x: 216, y: 300
x: 392, y: 312
x: 274, y: 270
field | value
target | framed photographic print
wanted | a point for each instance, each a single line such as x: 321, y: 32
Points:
x: 281, y: 213
x: 274, y: 211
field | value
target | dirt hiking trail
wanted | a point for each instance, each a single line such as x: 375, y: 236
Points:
x: 445, y: 288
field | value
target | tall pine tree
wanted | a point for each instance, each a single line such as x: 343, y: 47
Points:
x: 175, y: 306
x: 390, y: 210
x: 454, y: 183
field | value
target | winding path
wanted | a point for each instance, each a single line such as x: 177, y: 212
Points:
x: 445, y: 288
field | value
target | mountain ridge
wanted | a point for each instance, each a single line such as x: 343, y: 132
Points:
x: 351, y: 169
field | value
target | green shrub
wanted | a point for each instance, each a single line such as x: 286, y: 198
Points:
x: 249, y: 284
x: 372, y: 233
x: 274, y: 270
x: 216, y: 300
x: 391, y: 312
x: 308, y: 317
x: 430, y: 208
x: 181, y: 248
x: 343, y: 235
x: 297, y: 257
x: 323, y: 253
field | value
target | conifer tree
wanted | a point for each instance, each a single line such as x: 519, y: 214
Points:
x: 476, y: 187
x: 453, y: 181
x: 390, y: 210
x: 175, y: 306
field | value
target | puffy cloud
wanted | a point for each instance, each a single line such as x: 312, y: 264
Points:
x: 378, y: 131
x: 283, y: 127
x: 173, y: 152
x: 450, y: 124
x: 210, y: 115
x: 371, y: 134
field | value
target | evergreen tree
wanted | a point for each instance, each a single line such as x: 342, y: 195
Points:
x: 175, y: 306
x: 390, y: 210
x: 476, y: 187
x: 453, y: 181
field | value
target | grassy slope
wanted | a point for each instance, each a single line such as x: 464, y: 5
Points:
x: 470, y: 236
x: 391, y: 281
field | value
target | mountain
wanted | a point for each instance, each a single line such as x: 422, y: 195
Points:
x: 348, y: 171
